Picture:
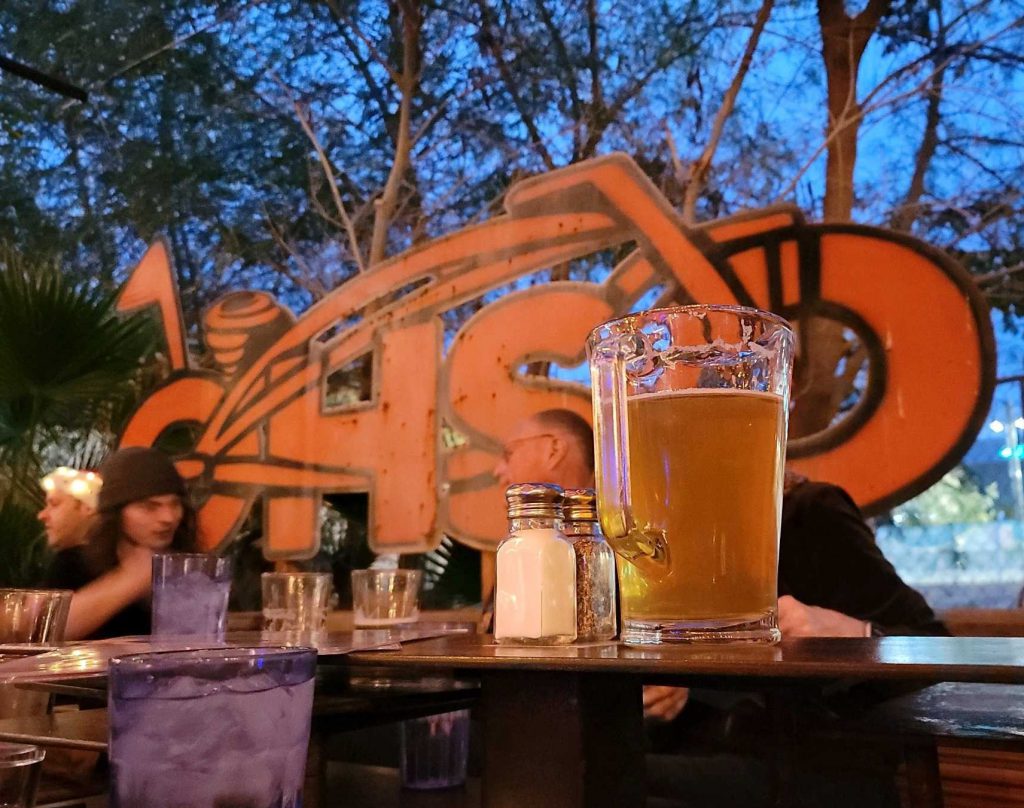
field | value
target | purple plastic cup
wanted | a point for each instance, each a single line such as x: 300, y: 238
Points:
x: 210, y: 728
x: 190, y: 594
x: 434, y: 751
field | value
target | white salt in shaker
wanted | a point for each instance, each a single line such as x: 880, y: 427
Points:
x: 535, y: 596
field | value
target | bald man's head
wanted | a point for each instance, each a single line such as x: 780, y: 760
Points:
x: 553, y: 446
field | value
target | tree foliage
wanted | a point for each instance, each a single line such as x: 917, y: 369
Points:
x: 66, y: 358
x: 289, y: 144
x: 957, y: 499
x: 71, y: 369
x: 286, y: 145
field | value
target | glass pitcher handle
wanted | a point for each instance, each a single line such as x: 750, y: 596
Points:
x: 612, y: 438
x: 645, y: 548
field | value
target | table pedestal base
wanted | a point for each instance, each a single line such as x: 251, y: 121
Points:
x: 539, y: 722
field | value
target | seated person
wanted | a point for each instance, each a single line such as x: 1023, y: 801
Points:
x: 70, y: 509
x: 833, y: 582
x: 833, y: 579
x: 143, y: 509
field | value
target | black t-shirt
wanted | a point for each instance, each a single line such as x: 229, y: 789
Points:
x: 69, y: 570
x: 828, y: 558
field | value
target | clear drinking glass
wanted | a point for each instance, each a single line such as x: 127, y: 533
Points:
x: 690, y: 415
x: 19, y: 774
x: 296, y: 602
x: 190, y: 594
x: 435, y: 750
x: 35, y: 616
x: 385, y: 597
x: 30, y: 617
x: 207, y: 729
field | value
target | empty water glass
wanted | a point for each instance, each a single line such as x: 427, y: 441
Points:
x: 35, y: 616
x: 434, y: 750
x: 385, y: 597
x: 207, y: 729
x: 30, y: 617
x: 190, y: 594
x: 19, y: 774
x: 296, y: 602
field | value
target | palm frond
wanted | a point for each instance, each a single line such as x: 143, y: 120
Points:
x: 65, y: 353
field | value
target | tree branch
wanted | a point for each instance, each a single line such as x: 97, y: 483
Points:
x: 999, y: 274
x: 490, y: 43
x: 909, y: 210
x: 407, y: 81
x: 367, y: 41
x: 598, y: 114
x: 570, y: 75
x: 865, y: 108
x: 332, y: 183
x: 693, y: 182
x: 37, y: 77
x: 310, y: 282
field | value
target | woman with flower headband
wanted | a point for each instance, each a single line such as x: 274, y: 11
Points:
x: 142, y: 509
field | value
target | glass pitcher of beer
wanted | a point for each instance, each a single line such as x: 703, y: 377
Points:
x: 690, y: 415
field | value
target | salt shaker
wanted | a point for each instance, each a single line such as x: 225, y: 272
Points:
x: 595, y: 567
x: 535, y: 592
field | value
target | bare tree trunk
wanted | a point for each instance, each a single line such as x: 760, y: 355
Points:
x: 818, y: 389
x: 909, y: 210
x: 694, y: 180
x: 843, y: 39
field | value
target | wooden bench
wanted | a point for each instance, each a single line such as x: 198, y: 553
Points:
x: 973, y: 776
x: 962, y: 744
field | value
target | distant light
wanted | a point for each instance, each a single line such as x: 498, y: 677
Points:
x: 996, y: 426
x: 1019, y: 423
x: 1005, y: 452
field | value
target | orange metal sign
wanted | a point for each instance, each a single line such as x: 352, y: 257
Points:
x: 267, y: 431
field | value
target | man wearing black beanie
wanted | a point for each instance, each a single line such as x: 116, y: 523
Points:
x: 143, y: 508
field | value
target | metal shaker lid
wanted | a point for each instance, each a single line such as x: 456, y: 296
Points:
x: 580, y: 505
x: 534, y: 500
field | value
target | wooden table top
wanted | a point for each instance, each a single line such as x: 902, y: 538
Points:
x: 939, y: 659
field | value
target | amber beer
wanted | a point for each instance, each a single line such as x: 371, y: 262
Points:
x: 705, y: 479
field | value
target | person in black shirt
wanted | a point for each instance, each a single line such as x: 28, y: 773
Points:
x: 143, y: 509
x: 833, y: 580
x: 831, y: 568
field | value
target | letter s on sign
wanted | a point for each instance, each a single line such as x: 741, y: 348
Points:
x: 486, y: 394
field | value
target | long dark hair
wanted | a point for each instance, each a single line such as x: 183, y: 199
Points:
x: 101, y: 549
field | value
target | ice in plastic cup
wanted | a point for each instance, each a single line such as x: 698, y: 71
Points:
x: 208, y: 729
x: 434, y: 751
x: 382, y: 598
x: 190, y: 594
x: 19, y: 774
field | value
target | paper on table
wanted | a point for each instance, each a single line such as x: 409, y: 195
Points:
x: 82, y: 659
